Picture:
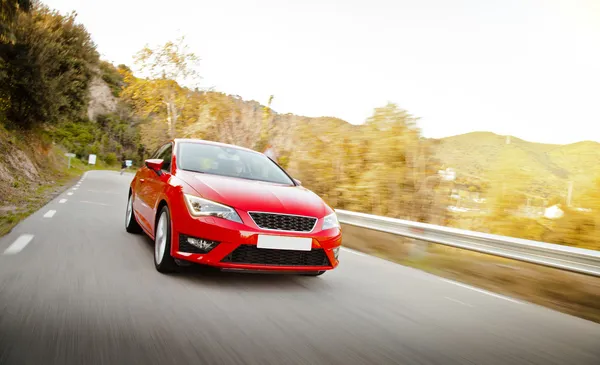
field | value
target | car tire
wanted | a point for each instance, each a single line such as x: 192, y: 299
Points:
x: 131, y: 225
x: 314, y: 273
x: 163, y: 261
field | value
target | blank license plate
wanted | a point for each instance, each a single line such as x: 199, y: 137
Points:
x: 284, y: 243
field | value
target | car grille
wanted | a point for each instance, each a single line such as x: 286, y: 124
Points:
x: 249, y: 254
x: 283, y: 222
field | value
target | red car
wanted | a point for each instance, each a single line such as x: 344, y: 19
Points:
x: 230, y: 207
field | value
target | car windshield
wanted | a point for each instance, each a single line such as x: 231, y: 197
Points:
x: 229, y: 161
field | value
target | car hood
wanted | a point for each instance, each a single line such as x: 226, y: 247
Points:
x: 250, y: 195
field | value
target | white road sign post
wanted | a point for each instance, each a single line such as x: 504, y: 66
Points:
x: 92, y: 160
x: 70, y: 156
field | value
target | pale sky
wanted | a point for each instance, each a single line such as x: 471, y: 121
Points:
x: 529, y: 68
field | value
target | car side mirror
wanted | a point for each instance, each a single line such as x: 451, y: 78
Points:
x: 155, y: 165
x: 298, y: 182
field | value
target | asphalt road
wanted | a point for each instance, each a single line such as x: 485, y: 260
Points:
x: 80, y: 290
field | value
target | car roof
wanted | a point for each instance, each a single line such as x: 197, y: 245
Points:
x: 202, y: 141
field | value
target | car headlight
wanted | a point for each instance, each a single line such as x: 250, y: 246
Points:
x: 331, y: 221
x: 199, y: 207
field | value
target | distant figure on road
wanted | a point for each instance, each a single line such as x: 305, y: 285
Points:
x: 123, y: 166
x: 271, y: 153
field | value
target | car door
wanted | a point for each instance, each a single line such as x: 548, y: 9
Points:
x: 155, y: 184
x: 142, y: 204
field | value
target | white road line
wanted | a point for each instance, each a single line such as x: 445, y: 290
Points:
x: 88, y: 202
x: 69, y: 193
x: 19, y: 244
x: 50, y: 214
x: 481, y: 291
x: 354, y: 252
x: 62, y: 201
x: 458, y: 301
x: 74, y: 189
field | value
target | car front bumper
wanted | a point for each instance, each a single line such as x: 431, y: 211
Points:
x: 235, y: 246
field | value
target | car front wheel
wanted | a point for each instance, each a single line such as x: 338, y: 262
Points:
x: 163, y: 261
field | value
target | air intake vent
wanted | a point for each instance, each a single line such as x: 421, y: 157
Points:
x: 283, y: 222
x: 249, y: 254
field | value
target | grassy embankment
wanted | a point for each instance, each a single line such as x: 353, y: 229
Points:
x: 33, y: 170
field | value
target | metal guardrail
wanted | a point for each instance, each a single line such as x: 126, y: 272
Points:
x: 541, y: 253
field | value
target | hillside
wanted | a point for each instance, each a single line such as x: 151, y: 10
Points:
x: 549, y: 166
x: 32, y: 171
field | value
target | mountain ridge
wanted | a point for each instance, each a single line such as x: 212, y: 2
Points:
x: 550, y: 166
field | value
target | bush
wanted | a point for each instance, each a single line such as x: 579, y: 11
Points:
x: 111, y: 158
x: 112, y: 77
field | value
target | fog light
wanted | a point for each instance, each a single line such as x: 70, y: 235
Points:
x: 336, y: 252
x: 200, y: 243
x: 196, y: 245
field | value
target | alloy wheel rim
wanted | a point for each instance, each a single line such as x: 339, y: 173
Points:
x: 129, y: 211
x: 161, y: 238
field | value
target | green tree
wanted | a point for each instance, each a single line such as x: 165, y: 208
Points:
x: 578, y: 228
x: 267, y: 119
x: 9, y: 13
x: 506, y: 197
x: 382, y: 167
x: 112, y: 77
x: 167, y: 66
x: 47, y: 70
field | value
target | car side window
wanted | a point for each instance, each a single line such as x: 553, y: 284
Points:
x: 166, y: 156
